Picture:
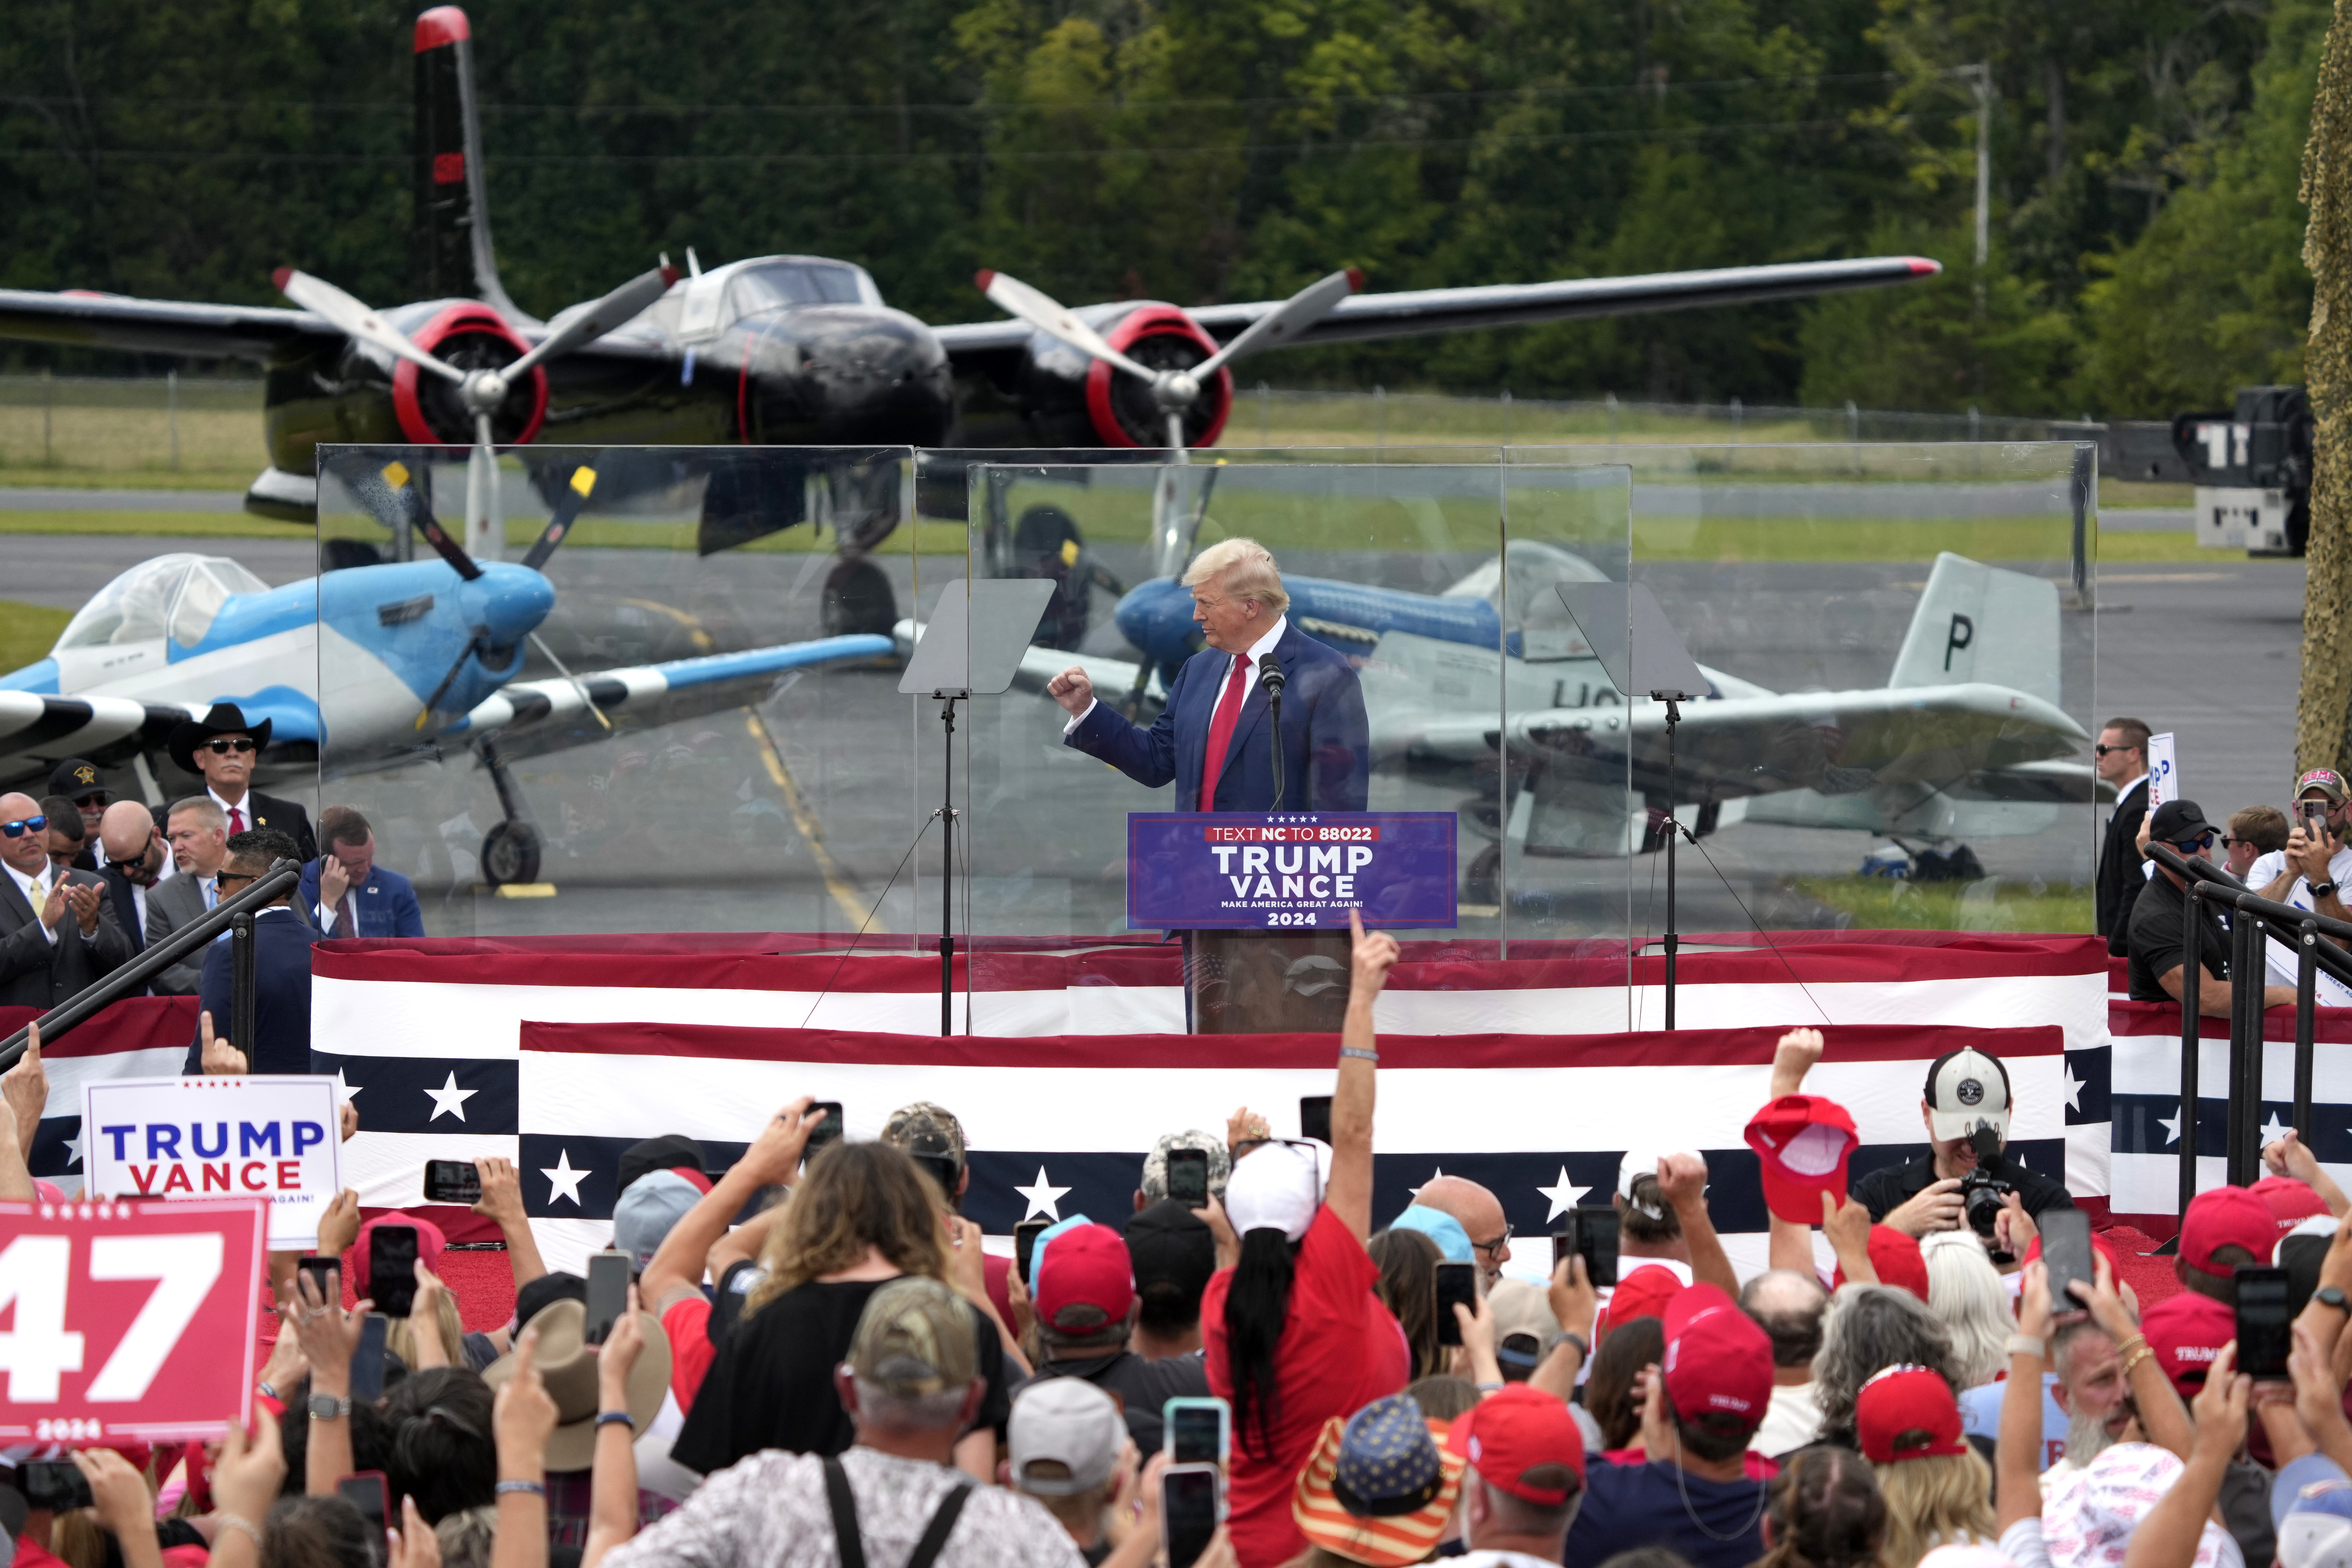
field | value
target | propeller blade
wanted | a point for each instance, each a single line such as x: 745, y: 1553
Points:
x: 1015, y: 297
x: 614, y: 309
x: 575, y: 495
x: 347, y: 315
x: 448, y: 680
x: 483, y: 529
x: 407, y: 494
x: 1285, y: 320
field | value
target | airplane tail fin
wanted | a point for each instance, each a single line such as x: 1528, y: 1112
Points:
x: 1980, y: 623
x: 451, y: 227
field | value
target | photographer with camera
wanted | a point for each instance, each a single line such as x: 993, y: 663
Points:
x: 1964, y: 1178
x: 2307, y: 872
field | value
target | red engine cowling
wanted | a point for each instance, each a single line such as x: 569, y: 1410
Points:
x: 472, y: 337
x: 1160, y: 337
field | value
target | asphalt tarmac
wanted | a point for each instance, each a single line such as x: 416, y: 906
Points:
x: 701, y: 826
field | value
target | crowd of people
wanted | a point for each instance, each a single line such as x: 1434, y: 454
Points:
x: 820, y: 1362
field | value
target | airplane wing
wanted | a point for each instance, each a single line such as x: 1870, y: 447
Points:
x: 545, y: 714
x: 37, y: 730
x: 90, y: 319
x: 1363, y: 317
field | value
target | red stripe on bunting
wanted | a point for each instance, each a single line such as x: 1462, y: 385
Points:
x: 137, y: 1024
x: 1684, y: 1047
x: 2330, y: 1025
x: 769, y: 961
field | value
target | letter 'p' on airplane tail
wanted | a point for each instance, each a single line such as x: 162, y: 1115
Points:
x: 451, y: 257
x: 1982, y: 624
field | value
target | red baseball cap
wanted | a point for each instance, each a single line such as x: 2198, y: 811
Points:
x: 2226, y: 1216
x: 1897, y: 1259
x: 2291, y: 1201
x: 1519, y: 1438
x: 2187, y: 1331
x: 429, y: 1245
x: 1718, y: 1359
x: 1644, y: 1293
x: 1804, y: 1142
x: 1086, y: 1266
x: 1907, y: 1413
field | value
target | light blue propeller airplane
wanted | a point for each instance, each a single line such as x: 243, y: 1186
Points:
x: 1967, y: 738
x: 417, y: 656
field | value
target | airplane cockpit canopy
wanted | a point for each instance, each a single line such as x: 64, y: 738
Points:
x: 177, y: 594
x: 1545, y: 629
x: 701, y: 308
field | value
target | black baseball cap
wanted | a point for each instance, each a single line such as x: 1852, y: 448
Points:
x: 1169, y: 1244
x: 670, y: 1152
x: 536, y: 1296
x: 75, y: 777
x: 2178, y: 819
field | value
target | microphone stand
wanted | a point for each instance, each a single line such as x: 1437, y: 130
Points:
x: 1270, y: 676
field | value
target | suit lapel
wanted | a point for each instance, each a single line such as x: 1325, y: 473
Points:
x: 1253, y: 703
x: 13, y: 901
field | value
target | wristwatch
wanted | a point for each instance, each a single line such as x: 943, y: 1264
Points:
x: 328, y: 1407
x: 2323, y: 890
x: 2329, y: 1296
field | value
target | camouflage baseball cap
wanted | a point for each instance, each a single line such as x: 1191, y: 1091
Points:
x: 924, y: 1128
x: 1155, y: 1164
x: 915, y: 1337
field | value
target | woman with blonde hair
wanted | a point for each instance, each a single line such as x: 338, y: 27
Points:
x: 1938, y: 1489
x: 862, y: 1215
x: 1964, y: 1291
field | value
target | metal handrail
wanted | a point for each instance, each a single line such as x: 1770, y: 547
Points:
x: 228, y: 915
x: 2257, y: 919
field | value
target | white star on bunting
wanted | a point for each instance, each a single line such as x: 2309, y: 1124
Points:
x: 2171, y: 1125
x: 1563, y: 1195
x: 2274, y: 1129
x: 1433, y: 1175
x: 449, y: 1099
x: 564, y: 1182
x: 2074, y: 1090
x: 1044, y: 1198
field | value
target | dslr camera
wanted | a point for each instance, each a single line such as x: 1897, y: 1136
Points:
x: 1985, y: 1185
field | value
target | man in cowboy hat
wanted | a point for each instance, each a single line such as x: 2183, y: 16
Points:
x: 222, y: 747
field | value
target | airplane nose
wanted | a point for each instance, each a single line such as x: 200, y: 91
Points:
x: 1157, y: 616
x: 509, y: 601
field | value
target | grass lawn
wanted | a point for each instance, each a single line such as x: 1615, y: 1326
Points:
x: 1878, y: 904
x: 27, y: 632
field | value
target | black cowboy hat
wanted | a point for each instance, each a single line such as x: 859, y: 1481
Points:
x: 226, y: 719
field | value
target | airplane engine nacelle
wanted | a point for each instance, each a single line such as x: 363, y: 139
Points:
x: 1120, y: 408
x: 470, y: 336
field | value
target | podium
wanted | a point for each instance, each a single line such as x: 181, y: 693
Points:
x: 1267, y: 981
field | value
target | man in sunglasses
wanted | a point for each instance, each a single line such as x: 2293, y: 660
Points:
x: 57, y: 933
x: 2157, y: 945
x: 2122, y: 763
x: 2309, y: 872
x: 223, y: 748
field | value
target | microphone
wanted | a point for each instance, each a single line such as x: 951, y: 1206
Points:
x: 1271, y: 678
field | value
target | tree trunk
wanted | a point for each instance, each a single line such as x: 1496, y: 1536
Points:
x: 2053, y: 93
x: 2321, y: 738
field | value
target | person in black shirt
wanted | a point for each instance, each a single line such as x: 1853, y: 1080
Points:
x: 1967, y: 1089
x: 2122, y: 752
x: 2158, y: 939
x: 1085, y: 1309
x: 861, y: 1216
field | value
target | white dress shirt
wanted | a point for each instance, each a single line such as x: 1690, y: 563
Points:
x: 36, y: 893
x: 240, y: 806
x: 1259, y: 650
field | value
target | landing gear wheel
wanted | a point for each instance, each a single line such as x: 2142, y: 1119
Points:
x: 510, y: 854
x: 858, y: 599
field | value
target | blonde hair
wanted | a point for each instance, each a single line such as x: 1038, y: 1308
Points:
x: 1248, y: 572
x: 400, y: 1339
x: 853, y: 1196
x: 1943, y: 1499
x: 1964, y: 1291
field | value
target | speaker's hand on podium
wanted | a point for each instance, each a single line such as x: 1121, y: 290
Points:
x: 1072, y: 689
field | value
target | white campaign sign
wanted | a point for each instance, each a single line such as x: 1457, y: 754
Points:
x: 276, y: 1138
x: 2163, y: 770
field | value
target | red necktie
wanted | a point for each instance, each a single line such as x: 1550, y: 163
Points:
x: 236, y: 820
x: 1221, y: 732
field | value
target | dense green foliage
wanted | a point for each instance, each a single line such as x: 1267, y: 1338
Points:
x: 2144, y: 236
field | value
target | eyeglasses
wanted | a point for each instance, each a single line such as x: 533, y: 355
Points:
x: 2191, y: 846
x: 222, y: 745
x: 233, y: 877
x: 1496, y: 1245
x: 23, y: 825
x: 2109, y: 751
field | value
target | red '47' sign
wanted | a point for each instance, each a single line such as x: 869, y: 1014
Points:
x: 128, y: 1319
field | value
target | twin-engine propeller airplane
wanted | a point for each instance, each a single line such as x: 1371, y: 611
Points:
x: 412, y: 659
x: 788, y: 351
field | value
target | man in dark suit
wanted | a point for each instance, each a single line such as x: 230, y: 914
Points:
x: 57, y: 930
x: 136, y: 866
x: 281, y: 967
x: 1213, y: 740
x: 345, y: 893
x: 2122, y: 757
x: 222, y: 747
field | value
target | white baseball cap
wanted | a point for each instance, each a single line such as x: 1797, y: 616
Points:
x: 1966, y: 1088
x: 1640, y: 1162
x: 2317, y: 1529
x: 1070, y: 1421
x: 1279, y: 1186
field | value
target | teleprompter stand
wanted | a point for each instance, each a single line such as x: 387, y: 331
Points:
x: 1628, y: 632
x: 973, y: 648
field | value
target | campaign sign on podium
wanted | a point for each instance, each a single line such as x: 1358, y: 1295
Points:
x: 1191, y: 871
x: 278, y: 1138
x: 127, y: 1321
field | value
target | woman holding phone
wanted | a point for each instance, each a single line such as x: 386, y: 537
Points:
x: 1293, y: 1331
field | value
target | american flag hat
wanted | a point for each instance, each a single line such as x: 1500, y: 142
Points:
x: 1381, y: 1485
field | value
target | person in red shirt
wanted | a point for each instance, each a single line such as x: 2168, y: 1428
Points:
x: 1293, y: 1333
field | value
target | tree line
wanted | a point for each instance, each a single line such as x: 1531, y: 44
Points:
x: 2144, y: 230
